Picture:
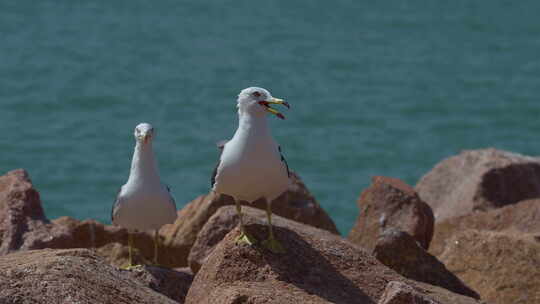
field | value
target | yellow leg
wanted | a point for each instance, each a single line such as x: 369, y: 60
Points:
x: 130, y: 250
x: 271, y: 243
x: 156, y: 245
x: 130, y: 246
x: 243, y: 237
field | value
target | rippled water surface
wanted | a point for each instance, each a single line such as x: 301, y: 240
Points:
x: 375, y: 88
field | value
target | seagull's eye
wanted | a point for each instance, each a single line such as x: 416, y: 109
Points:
x: 256, y: 94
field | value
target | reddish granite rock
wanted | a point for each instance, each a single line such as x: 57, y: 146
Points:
x: 215, y: 229
x: 523, y: 217
x: 296, y: 204
x: 502, y: 266
x: 20, y: 210
x: 222, y: 222
x: 479, y: 180
x: 399, y: 251
x: 174, y: 283
x: 23, y: 225
x: 318, y: 267
x: 389, y: 202
x: 69, y: 276
x: 401, y: 293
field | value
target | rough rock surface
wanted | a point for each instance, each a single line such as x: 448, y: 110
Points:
x: 399, y: 251
x: 479, y: 180
x: 69, y: 276
x: 319, y: 267
x: 389, y: 202
x: 503, y: 267
x: 296, y: 204
x: 20, y: 210
x: 23, y: 225
x: 523, y: 217
x: 174, y: 283
x: 401, y: 293
x: 222, y: 222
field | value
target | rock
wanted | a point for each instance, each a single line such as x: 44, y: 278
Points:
x: 109, y: 241
x: 399, y: 251
x: 24, y: 226
x: 479, y: 180
x: 389, y: 202
x: 318, y: 267
x: 69, y: 276
x: 174, y: 283
x: 502, y: 266
x: 523, y: 217
x: 20, y: 210
x: 401, y: 293
x: 222, y: 222
x: 296, y: 204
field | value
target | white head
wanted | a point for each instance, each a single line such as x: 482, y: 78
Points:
x: 144, y: 132
x: 256, y: 101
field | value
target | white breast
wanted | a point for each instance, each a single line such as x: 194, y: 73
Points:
x: 251, y: 169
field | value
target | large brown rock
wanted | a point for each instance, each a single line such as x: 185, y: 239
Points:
x: 20, y: 210
x: 479, y: 180
x: 296, y: 204
x: 23, y: 225
x: 318, y: 267
x: 222, y: 222
x: 69, y: 276
x: 503, y: 267
x: 399, y: 251
x: 109, y: 241
x: 174, y: 283
x: 401, y: 293
x: 389, y: 202
x: 523, y: 217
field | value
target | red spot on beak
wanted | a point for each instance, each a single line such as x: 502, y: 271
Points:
x: 280, y: 115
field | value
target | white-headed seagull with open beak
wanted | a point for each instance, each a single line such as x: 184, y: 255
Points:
x: 251, y: 165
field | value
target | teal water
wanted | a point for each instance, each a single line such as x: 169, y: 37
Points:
x: 376, y: 89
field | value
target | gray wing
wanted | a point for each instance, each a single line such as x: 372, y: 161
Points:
x: 284, y: 161
x: 173, y: 202
x: 116, y: 204
x: 221, y: 146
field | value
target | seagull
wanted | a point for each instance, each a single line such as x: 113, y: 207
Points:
x: 143, y: 203
x: 251, y: 164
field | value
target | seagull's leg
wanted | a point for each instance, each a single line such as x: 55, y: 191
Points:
x: 130, y: 246
x: 271, y: 243
x: 156, y: 245
x: 130, y: 250
x: 244, y: 237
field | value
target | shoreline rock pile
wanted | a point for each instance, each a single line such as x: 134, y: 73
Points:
x: 468, y: 232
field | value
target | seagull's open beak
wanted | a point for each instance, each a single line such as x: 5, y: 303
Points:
x: 267, y: 103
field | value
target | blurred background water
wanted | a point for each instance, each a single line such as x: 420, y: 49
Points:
x: 376, y: 89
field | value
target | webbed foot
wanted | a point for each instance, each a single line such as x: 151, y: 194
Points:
x: 131, y: 267
x: 245, y: 238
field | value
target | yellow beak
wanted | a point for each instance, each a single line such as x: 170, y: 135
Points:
x: 275, y: 101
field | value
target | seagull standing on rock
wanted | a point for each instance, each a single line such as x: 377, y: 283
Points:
x: 251, y: 165
x: 143, y: 203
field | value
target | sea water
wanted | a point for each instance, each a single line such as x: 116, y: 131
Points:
x: 376, y: 88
